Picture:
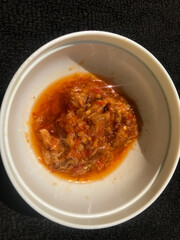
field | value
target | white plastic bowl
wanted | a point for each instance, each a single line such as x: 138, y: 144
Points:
x: 148, y: 167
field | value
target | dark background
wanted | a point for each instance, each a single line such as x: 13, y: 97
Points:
x: 25, y: 25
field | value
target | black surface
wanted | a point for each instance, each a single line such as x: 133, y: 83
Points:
x: 26, y: 25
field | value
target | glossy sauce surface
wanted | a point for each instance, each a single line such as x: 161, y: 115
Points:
x: 81, y: 128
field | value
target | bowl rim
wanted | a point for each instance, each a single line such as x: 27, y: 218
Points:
x: 12, y: 174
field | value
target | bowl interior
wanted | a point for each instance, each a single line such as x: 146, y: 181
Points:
x: 139, y: 169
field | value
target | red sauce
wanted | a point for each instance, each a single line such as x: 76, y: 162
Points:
x: 81, y: 129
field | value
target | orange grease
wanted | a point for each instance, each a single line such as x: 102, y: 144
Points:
x: 41, y: 106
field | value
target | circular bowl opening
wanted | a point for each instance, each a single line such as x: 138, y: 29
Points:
x: 147, y: 168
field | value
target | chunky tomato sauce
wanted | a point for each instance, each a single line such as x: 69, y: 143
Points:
x: 80, y: 127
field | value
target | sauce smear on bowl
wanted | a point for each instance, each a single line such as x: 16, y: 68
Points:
x: 80, y: 127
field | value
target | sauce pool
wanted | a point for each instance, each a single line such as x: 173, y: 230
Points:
x: 80, y: 129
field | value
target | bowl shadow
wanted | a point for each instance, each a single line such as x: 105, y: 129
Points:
x: 10, y: 197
